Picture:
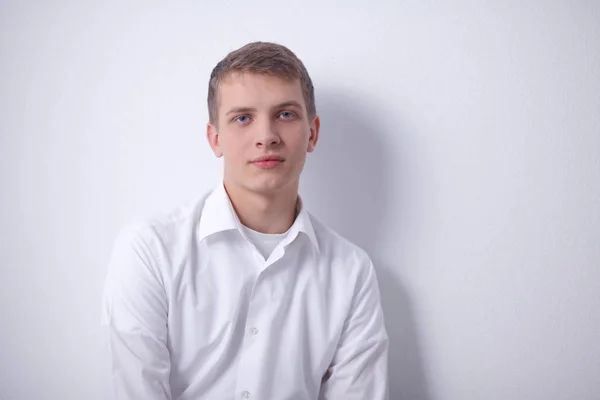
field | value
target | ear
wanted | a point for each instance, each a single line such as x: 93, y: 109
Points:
x: 213, y: 139
x: 315, y: 125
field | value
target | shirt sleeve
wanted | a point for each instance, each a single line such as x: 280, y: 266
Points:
x: 359, y: 370
x: 135, y: 312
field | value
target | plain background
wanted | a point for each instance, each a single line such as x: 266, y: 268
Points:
x: 460, y: 146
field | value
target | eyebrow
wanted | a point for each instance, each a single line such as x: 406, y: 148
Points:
x: 291, y: 103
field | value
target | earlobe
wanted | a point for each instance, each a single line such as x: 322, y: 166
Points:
x: 213, y: 140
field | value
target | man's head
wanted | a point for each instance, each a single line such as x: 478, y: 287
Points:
x: 261, y: 104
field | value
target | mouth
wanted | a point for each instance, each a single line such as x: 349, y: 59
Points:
x: 267, y: 162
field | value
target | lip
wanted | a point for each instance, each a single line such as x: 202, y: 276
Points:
x: 270, y: 157
x: 267, y: 162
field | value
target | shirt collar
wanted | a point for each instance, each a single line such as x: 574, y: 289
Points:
x: 303, y: 224
x: 218, y: 215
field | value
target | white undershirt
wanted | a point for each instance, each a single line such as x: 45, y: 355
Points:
x: 265, y: 243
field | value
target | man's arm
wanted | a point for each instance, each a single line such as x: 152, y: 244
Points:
x: 359, y: 370
x: 135, y: 311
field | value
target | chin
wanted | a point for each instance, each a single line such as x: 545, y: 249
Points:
x: 267, y: 188
x: 272, y: 185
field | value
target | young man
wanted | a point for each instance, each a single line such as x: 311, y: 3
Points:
x: 246, y: 295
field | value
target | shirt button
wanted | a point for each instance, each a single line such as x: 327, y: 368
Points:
x: 254, y: 331
x: 246, y: 394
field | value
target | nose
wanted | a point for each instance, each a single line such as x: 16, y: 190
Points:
x: 267, y: 135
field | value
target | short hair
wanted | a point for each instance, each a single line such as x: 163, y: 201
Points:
x: 261, y: 58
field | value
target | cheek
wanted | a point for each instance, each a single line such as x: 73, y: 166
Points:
x: 301, y: 143
x: 299, y: 137
x: 299, y: 151
x: 232, y: 145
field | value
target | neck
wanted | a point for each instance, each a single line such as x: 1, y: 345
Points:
x: 265, y: 213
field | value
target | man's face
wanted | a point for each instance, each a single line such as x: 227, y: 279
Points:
x: 262, y: 116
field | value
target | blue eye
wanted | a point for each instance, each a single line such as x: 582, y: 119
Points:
x: 287, y: 115
x: 242, y: 119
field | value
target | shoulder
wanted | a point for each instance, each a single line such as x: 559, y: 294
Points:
x: 158, y: 236
x: 343, y: 254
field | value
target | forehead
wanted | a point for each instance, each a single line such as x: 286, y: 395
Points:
x: 257, y: 91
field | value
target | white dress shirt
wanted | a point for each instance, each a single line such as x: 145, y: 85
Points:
x: 194, y: 311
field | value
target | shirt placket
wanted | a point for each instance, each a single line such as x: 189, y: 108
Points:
x: 257, y: 321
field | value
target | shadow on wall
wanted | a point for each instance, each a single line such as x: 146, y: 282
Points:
x: 347, y: 183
